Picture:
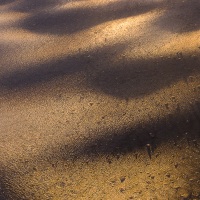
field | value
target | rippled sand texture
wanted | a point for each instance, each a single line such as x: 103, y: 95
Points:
x: 99, y: 99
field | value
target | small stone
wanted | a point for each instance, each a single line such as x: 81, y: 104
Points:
x: 191, y: 79
x: 148, y: 145
x: 195, y: 194
x: 176, y: 187
x: 176, y: 165
x: 73, y: 191
x: 185, y: 195
x: 168, y: 175
x: 113, y: 181
x: 173, y: 97
x: 61, y: 184
x: 26, y: 161
x: 35, y: 168
x: 118, y: 156
x: 109, y: 160
x: 149, y: 150
x: 122, y: 179
x: 122, y: 190
x: 152, y: 135
x: 194, y: 56
x: 179, y: 54
x: 167, y: 105
x: 195, y: 142
x: 148, y: 182
x: 157, y: 155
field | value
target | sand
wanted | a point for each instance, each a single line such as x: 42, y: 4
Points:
x: 99, y: 99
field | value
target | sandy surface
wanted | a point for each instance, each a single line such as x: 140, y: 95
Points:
x: 99, y: 99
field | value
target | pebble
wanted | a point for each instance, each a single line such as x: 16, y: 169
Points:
x: 185, y: 194
x: 109, y: 161
x: 191, y: 79
x: 122, y: 190
x: 73, y: 191
x: 195, y: 194
x: 167, y: 105
x: 91, y: 103
x: 176, y: 165
x: 113, y: 181
x: 176, y: 187
x: 173, y: 97
x: 118, y: 156
x: 122, y: 179
x: 157, y: 155
x: 152, y: 135
x: 35, y: 168
x: 195, y: 142
x: 149, y: 149
x: 148, y: 146
x: 61, y: 184
x: 148, y: 182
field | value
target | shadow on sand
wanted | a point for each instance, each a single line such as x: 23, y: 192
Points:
x: 178, y: 16
x: 173, y: 129
x: 73, y: 20
x: 4, y: 2
x: 124, y: 79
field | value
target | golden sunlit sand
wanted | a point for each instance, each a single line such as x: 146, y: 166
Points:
x: 99, y: 100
